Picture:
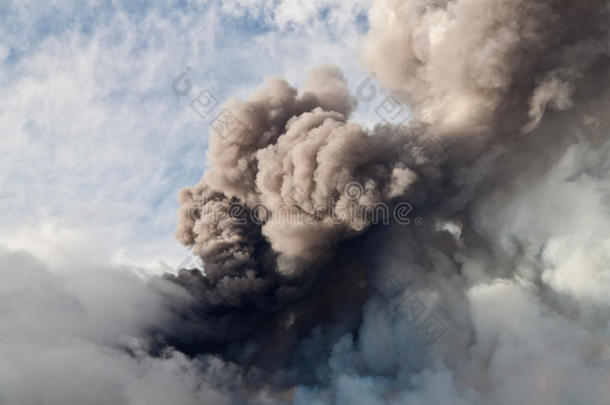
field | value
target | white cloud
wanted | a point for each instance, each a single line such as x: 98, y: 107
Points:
x: 78, y: 338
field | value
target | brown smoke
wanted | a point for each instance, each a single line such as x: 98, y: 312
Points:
x: 479, y: 65
x: 296, y: 178
x: 314, y: 177
x: 499, y: 295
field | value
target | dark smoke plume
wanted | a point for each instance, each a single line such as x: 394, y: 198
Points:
x: 283, y: 189
x: 293, y: 260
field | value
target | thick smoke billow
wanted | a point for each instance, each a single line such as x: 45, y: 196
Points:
x: 501, y: 295
x: 284, y: 188
x: 510, y: 266
x: 308, y: 175
x: 469, y: 66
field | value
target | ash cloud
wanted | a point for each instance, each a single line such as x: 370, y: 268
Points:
x: 470, y: 66
x: 315, y: 175
x: 512, y: 90
x: 511, y: 259
x: 298, y: 150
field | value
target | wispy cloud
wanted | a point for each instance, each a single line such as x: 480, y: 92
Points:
x: 95, y: 135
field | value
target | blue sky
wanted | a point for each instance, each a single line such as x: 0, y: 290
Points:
x: 95, y: 144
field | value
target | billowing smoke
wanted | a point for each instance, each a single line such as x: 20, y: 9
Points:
x: 305, y: 177
x: 287, y: 182
x: 491, y: 66
x: 498, y: 295
x: 292, y: 177
x: 507, y: 99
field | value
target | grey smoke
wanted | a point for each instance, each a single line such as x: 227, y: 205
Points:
x: 82, y: 336
x: 297, y: 150
x: 469, y: 66
x: 512, y: 256
x: 511, y: 89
